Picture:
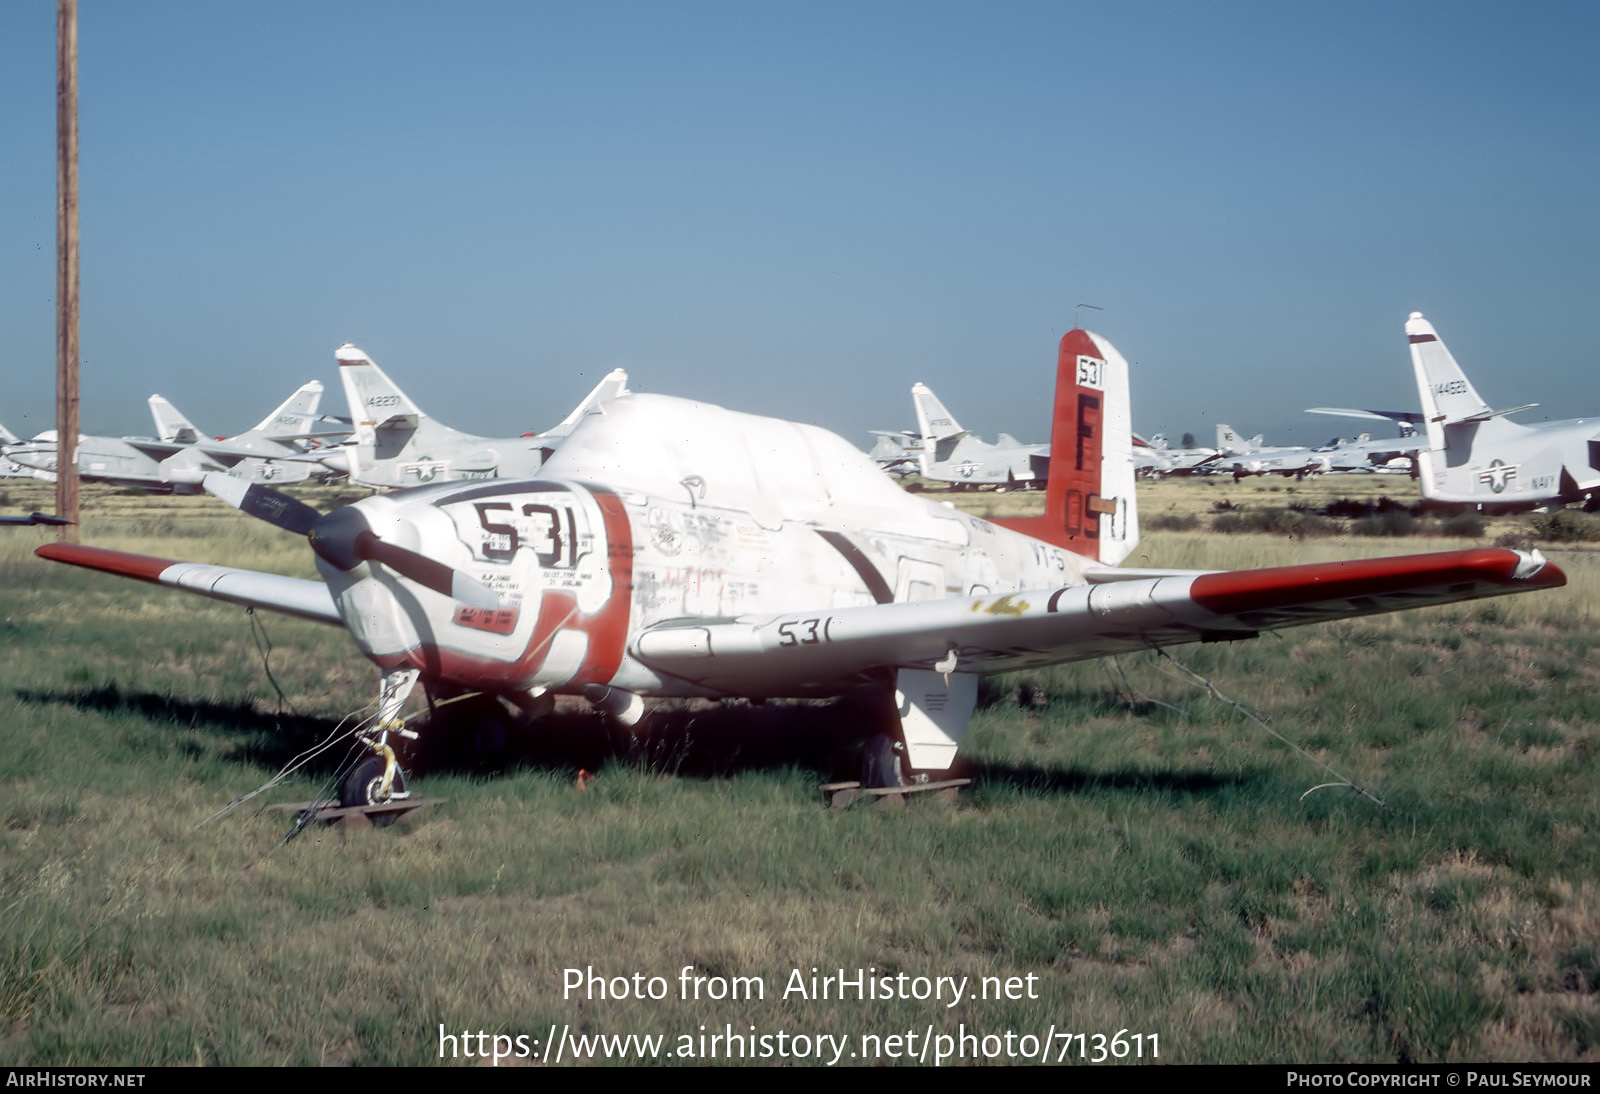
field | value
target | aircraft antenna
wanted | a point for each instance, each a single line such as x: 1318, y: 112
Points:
x: 1075, y: 324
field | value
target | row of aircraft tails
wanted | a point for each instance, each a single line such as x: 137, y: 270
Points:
x: 1466, y: 452
x: 942, y: 451
x: 179, y: 456
x: 387, y: 443
x: 671, y: 549
x: 1462, y: 451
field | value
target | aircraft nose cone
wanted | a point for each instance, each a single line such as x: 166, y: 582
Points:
x: 335, y: 536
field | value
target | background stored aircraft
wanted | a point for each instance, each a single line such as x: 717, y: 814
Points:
x: 396, y: 444
x: 953, y: 455
x: 1475, y: 454
x: 179, y: 460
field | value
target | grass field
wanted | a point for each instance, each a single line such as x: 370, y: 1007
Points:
x: 1140, y: 850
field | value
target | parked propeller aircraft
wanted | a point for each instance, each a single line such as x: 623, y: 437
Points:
x: 182, y: 456
x: 1474, y: 454
x: 670, y: 548
x: 397, y: 445
x: 951, y: 454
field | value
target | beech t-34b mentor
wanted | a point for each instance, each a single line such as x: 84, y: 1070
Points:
x: 670, y: 548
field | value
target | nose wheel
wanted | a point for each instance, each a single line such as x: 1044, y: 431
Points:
x: 364, y: 785
x: 376, y: 779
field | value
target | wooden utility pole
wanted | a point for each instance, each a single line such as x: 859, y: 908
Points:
x: 67, y: 266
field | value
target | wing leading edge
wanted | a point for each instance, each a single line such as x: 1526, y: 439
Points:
x: 290, y: 595
x: 1049, y: 626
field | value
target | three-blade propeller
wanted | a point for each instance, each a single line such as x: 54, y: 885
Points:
x: 345, y: 540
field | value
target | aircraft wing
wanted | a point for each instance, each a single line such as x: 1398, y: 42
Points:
x: 1408, y: 416
x: 291, y: 595
x: 1047, y: 626
x: 221, y: 451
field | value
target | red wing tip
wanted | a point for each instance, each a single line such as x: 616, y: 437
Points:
x: 143, y: 567
x: 1247, y: 590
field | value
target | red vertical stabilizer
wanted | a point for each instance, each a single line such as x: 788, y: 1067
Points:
x: 1089, y: 502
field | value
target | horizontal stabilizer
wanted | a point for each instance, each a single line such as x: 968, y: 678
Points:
x: 1487, y: 414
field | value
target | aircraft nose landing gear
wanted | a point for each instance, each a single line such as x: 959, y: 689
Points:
x: 377, y: 779
x: 365, y: 784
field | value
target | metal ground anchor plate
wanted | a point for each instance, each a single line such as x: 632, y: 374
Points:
x: 357, y: 816
x: 840, y: 795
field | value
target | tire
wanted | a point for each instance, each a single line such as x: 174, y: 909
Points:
x: 883, y: 762
x: 360, y: 786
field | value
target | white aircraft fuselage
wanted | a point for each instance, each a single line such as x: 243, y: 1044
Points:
x: 1501, y: 462
x: 678, y: 537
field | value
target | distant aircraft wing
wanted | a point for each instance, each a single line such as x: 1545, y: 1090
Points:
x: 221, y: 451
x: 35, y: 518
x: 1409, y: 416
x: 291, y: 595
x: 1047, y: 626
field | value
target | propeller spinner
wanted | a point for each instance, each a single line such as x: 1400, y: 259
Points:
x: 343, y: 539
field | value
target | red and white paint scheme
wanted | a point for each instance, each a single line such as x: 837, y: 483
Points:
x: 674, y: 549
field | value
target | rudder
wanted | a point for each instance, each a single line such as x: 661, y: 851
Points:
x: 1090, y: 507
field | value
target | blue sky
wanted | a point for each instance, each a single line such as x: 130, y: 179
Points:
x: 801, y: 209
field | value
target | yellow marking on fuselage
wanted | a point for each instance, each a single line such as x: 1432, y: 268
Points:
x: 1003, y: 605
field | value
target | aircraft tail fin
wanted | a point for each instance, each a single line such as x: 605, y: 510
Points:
x: 8, y: 437
x: 1090, y: 508
x: 292, y: 420
x: 375, y: 400
x: 613, y: 384
x: 1448, y: 397
x: 939, y: 428
x: 171, y: 426
x: 1228, y: 440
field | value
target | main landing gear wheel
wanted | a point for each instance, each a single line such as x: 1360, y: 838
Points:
x: 364, y: 784
x: 883, y: 762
